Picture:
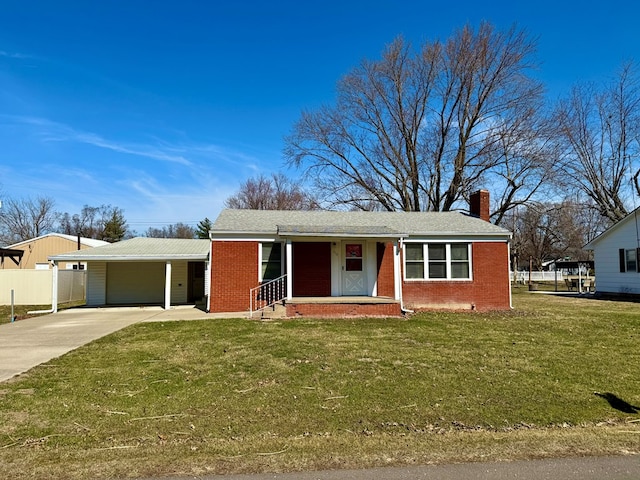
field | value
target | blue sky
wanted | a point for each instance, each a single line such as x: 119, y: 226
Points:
x: 164, y: 107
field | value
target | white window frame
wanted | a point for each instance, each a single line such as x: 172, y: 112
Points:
x: 448, y: 262
x: 282, y: 258
x: 631, y: 252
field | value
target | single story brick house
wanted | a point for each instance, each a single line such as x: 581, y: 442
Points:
x: 314, y: 263
x: 320, y: 263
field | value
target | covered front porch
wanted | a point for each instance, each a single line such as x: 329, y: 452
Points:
x: 330, y: 275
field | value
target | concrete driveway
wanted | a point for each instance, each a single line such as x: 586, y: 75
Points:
x: 32, y: 341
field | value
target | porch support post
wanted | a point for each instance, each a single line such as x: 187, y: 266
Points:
x: 397, y: 271
x: 54, y: 288
x: 167, y: 286
x: 515, y: 272
x: 207, y: 284
x: 289, y: 264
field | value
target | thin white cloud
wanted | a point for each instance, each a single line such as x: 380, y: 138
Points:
x: 79, y: 175
x: 204, y: 177
x: 187, y: 154
x: 147, y: 151
x: 55, y: 131
x: 151, y: 203
x: 225, y: 154
x: 6, y: 54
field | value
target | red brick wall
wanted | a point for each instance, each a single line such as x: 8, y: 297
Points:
x: 311, y: 269
x: 489, y: 289
x: 234, y: 271
x: 385, y: 270
x: 338, y: 310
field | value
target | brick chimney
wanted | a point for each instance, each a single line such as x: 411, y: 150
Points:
x: 479, y: 204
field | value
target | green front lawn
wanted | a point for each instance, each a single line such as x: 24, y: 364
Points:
x: 557, y: 376
x: 20, y: 312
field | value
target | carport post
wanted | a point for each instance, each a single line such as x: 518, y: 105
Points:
x: 54, y: 288
x: 167, y: 286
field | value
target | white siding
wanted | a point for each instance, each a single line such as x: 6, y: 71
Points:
x: 609, y: 279
x: 207, y: 278
x: 96, y: 283
x: 179, y: 282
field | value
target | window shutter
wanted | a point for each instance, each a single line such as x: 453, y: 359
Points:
x: 623, y: 261
x: 637, y: 259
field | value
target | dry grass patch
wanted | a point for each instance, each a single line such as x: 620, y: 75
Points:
x: 243, y: 396
x: 20, y: 312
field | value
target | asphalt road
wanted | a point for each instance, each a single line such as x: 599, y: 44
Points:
x: 588, y: 468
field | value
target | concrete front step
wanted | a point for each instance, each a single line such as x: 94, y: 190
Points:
x: 274, y: 312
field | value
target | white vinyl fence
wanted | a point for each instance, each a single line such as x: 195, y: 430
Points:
x: 523, y: 277
x: 35, y: 287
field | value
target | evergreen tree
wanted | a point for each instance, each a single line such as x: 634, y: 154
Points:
x: 115, y: 228
x: 202, y: 230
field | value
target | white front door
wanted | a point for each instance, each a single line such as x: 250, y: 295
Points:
x: 353, y: 274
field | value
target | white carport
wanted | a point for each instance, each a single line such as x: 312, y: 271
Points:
x: 164, y: 271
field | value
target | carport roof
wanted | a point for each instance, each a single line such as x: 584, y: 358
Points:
x: 141, y: 249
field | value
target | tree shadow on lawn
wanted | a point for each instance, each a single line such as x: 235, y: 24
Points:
x: 617, y: 403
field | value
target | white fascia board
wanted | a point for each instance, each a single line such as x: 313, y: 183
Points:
x: 309, y: 237
x: 126, y: 258
x: 452, y: 238
x: 243, y: 237
x: 274, y: 237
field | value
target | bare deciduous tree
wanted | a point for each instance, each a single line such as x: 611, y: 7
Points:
x: 102, y: 223
x: 421, y: 131
x: 600, y: 128
x: 22, y: 219
x: 276, y: 192
x: 524, y: 167
x: 546, y: 231
x: 178, y: 230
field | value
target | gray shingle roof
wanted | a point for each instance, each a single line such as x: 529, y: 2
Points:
x: 322, y: 222
x: 141, y: 248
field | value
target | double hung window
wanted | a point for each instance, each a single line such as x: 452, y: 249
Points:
x: 437, y: 261
x: 270, y: 261
x: 629, y: 260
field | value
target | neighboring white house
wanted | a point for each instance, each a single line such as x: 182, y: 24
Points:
x: 617, y: 257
